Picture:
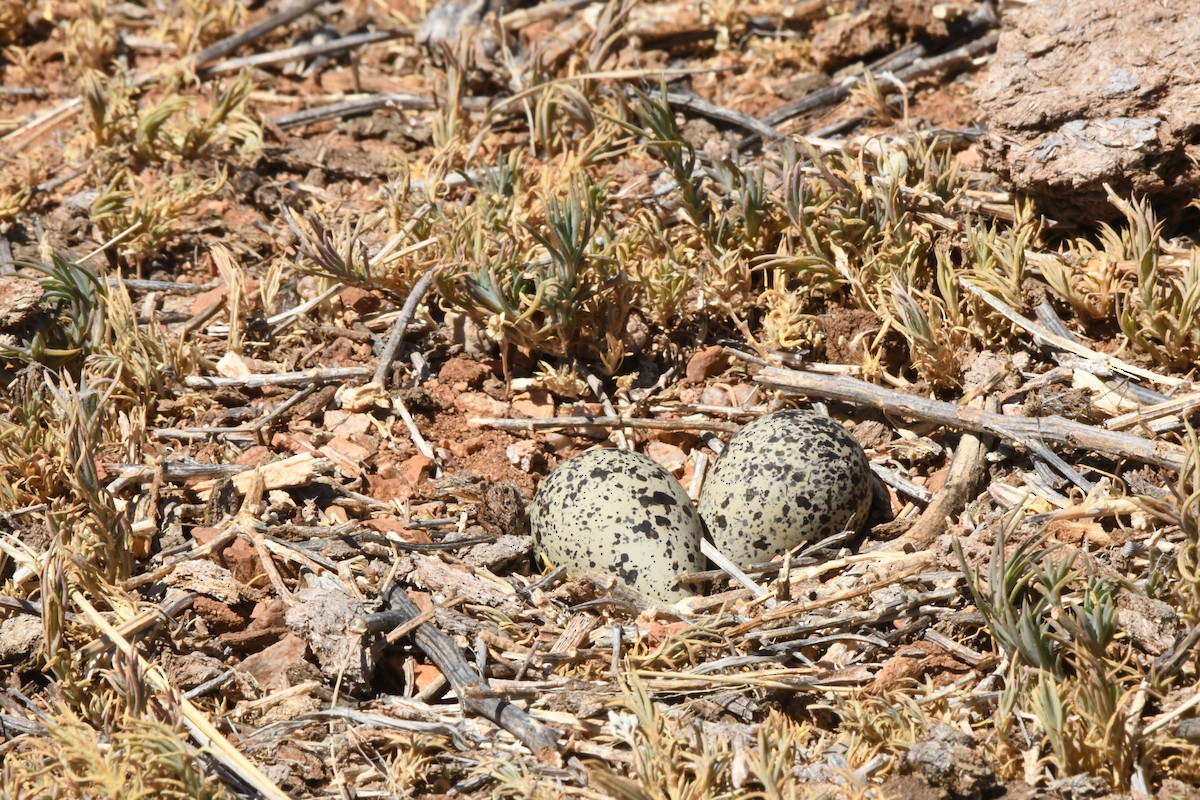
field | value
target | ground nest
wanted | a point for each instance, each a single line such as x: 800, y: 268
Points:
x: 299, y: 304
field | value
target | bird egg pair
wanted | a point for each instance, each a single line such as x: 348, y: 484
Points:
x: 785, y: 479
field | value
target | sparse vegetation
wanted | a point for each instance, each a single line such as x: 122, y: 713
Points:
x: 592, y: 236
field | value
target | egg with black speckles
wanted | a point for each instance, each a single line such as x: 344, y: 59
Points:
x: 619, y: 512
x: 785, y: 479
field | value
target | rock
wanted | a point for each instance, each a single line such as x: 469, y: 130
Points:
x: 707, y: 362
x: 504, y: 511
x: 877, y: 26
x: 505, y: 553
x: 952, y: 760
x: 209, y: 579
x: 466, y: 331
x: 218, y: 616
x: 347, y: 455
x: 1080, y: 787
x: 1088, y: 92
x: 1151, y: 625
x: 415, y: 469
x: 712, y: 396
x: 334, y: 515
x: 399, y: 529
x: 436, y: 575
x: 192, y: 669
x: 669, y: 457
x: 360, y: 300
x: 535, y: 403
x: 478, y: 404
x: 232, y: 365
x: 325, y: 616
x: 242, y: 560
x: 19, y: 298
x: 872, y: 434
x: 389, y: 484
x: 270, y: 667
x: 20, y: 637
x: 848, y: 38
x: 524, y: 454
x: 341, y: 422
x: 461, y: 373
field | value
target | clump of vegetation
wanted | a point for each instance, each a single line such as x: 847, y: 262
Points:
x: 144, y: 149
x: 91, y: 37
x: 579, y: 219
x: 86, y: 322
x: 74, y: 325
x: 546, y: 283
x: 120, y: 753
x: 195, y: 24
x: 1132, y: 277
x: 1054, y: 620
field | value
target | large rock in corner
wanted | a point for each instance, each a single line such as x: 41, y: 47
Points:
x: 1088, y: 92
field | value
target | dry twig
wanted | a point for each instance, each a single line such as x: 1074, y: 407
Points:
x: 472, y: 689
x: 550, y: 423
x: 1014, y: 428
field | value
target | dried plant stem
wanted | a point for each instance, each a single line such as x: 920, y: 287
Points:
x: 176, y: 287
x: 472, y: 689
x: 211, y: 546
x: 1043, y: 336
x: 238, y: 435
x: 693, y: 102
x: 230, y: 43
x: 547, y: 423
x: 551, y: 9
x: 853, y: 619
x: 732, y: 570
x: 139, y: 624
x: 318, y: 375
x: 966, y: 474
x: 797, y: 577
x: 301, y: 52
x: 611, y: 75
x: 115, y: 239
x: 205, y: 733
x: 397, y: 335
x: 37, y: 121
x: 364, y: 104
x: 406, y: 417
x: 716, y: 411
x: 793, y: 610
x: 277, y: 321
x: 1168, y: 717
x: 172, y: 472
x: 1013, y: 428
x: 908, y: 64
x: 597, y: 387
x: 901, y: 484
x: 192, y: 324
x: 242, y: 433
x: 1176, y: 405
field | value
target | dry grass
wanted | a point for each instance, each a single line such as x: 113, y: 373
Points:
x: 595, y: 241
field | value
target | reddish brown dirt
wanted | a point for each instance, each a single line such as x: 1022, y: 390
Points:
x: 844, y: 330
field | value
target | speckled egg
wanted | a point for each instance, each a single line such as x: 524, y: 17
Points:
x: 619, y: 512
x: 785, y: 479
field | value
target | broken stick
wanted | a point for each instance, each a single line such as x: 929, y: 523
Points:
x: 472, y: 688
x: 967, y: 471
x: 1017, y: 429
x: 397, y: 335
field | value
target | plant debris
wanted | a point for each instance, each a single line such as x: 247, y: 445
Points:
x: 299, y: 303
